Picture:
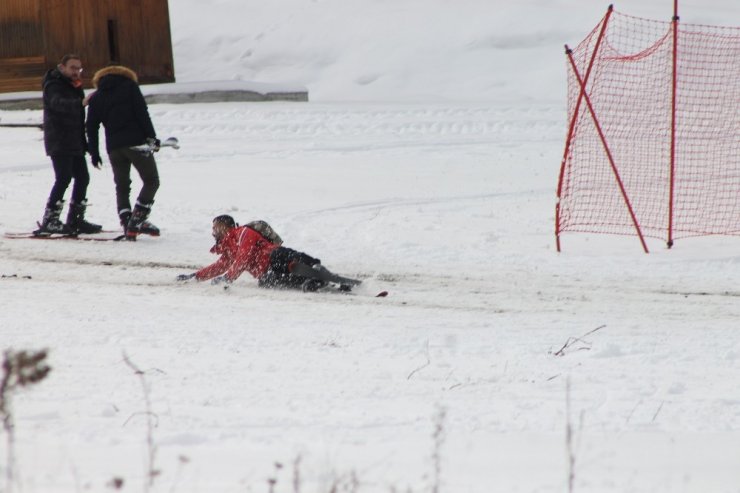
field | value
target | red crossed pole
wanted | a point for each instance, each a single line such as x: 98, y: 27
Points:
x: 583, y: 96
x: 674, y: 97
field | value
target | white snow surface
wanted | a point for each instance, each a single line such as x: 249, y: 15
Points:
x: 425, y: 164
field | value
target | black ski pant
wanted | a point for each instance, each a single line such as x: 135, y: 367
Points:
x: 121, y: 161
x: 278, y: 274
x: 67, y: 168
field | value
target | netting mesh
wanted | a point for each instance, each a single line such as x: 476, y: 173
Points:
x: 630, y: 87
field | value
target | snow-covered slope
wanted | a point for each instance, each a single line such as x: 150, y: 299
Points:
x: 425, y: 164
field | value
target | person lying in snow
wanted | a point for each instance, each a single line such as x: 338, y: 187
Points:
x: 257, y: 249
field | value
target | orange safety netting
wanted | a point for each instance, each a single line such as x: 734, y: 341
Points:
x: 633, y: 165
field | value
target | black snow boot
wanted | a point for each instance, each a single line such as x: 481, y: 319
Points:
x: 138, y: 223
x: 51, y: 224
x: 76, y: 219
x: 124, y: 215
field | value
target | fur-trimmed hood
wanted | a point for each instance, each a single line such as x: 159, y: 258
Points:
x: 120, y: 107
x: 114, y: 70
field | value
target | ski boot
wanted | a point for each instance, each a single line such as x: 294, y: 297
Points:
x: 50, y: 224
x: 76, y: 219
x: 124, y: 215
x: 137, y: 223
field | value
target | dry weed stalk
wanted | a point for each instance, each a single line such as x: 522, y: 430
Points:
x: 297, y: 474
x: 570, y: 444
x: 572, y: 340
x: 345, y: 484
x: 151, y: 423
x: 271, y: 482
x: 438, y: 436
x: 428, y: 362
x: 20, y: 369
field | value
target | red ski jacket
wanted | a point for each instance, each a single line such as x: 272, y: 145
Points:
x: 242, y: 249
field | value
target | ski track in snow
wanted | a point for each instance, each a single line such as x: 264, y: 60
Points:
x: 447, y: 207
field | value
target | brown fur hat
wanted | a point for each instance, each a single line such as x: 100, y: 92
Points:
x: 114, y: 70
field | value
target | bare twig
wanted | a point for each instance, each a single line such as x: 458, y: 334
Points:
x: 633, y: 411
x: 20, y: 369
x: 271, y: 482
x: 573, y: 340
x: 182, y: 461
x: 116, y: 483
x: 438, y: 437
x: 7, y: 418
x: 429, y: 361
x: 297, y: 475
x: 570, y: 454
x: 143, y: 413
x: 348, y: 483
x: 658, y: 411
x: 151, y: 422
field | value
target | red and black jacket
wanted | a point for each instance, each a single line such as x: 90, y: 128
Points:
x: 242, y: 249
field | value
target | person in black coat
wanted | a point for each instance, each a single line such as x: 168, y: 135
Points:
x: 64, y: 140
x: 119, y: 105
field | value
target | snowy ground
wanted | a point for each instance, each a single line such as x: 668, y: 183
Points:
x: 449, y: 206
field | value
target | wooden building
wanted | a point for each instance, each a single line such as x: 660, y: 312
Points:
x: 35, y: 34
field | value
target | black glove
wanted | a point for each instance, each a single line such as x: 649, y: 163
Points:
x: 97, y: 162
x: 154, y: 143
x: 185, y: 277
x: 220, y: 280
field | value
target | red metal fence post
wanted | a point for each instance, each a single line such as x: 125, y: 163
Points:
x: 574, y: 119
x: 674, y: 97
x: 608, y: 153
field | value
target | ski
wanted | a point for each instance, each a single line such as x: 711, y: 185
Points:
x: 102, y: 236
x: 148, y: 149
x: 333, y: 289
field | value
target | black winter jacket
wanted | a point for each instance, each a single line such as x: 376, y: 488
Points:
x: 64, y: 116
x: 119, y: 105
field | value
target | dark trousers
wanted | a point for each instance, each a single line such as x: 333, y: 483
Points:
x: 67, y: 168
x: 121, y: 161
x: 278, y: 275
